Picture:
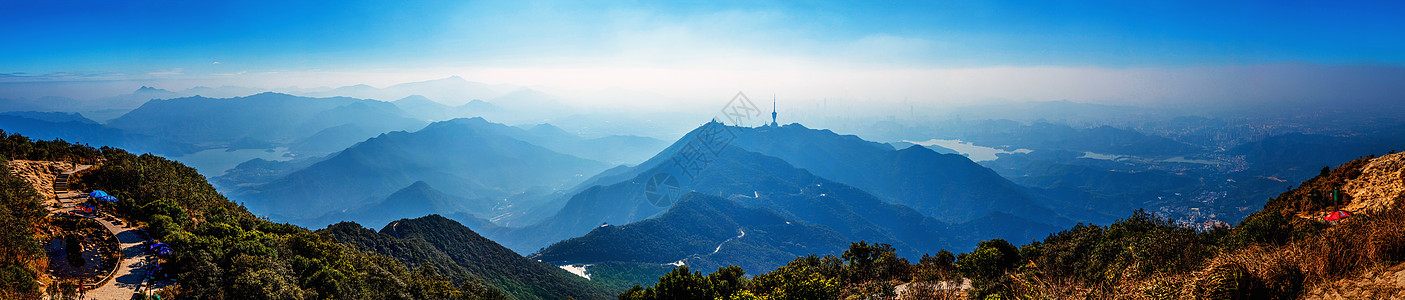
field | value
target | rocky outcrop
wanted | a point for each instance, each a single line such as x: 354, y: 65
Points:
x: 1381, y: 184
x: 1382, y: 284
x: 41, y: 174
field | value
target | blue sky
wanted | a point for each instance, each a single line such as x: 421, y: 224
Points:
x: 507, y: 41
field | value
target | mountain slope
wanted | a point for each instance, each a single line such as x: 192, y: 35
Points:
x: 331, y: 140
x: 418, y: 199
x: 423, y: 108
x: 434, y: 237
x: 614, y: 149
x: 220, y: 250
x: 704, y: 232
x: 268, y: 116
x: 946, y: 186
x: 459, y: 157
x: 53, y: 117
x: 133, y: 100
x: 86, y: 132
x: 754, y: 180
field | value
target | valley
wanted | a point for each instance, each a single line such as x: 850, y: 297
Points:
x: 714, y: 150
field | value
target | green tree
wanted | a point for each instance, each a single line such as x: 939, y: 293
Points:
x: 20, y: 213
x: 169, y: 208
x: 261, y: 284
x: 161, y: 226
x: 867, y: 262
x: 986, y: 266
x: 990, y: 259
x: 794, y: 282
x: 684, y: 284
x: 18, y: 283
x: 727, y: 281
x: 474, y: 289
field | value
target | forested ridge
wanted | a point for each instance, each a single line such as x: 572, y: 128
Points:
x: 221, y: 251
x: 1284, y: 251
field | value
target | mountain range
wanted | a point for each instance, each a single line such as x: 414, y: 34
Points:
x: 75, y: 128
x: 948, y: 187
x: 272, y: 117
x: 753, y: 180
x: 465, y: 158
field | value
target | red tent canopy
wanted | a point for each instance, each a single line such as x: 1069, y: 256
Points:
x: 1338, y: 215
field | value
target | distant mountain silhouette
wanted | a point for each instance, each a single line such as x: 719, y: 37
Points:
x: 274, y: 117
x: 1295, y: 157
x: 615, y: 149
x: 1049, y: 136
x: 331, y: 139
x: 451, y: 91
x: 755, y: 180
x: 764, y: 193
x: 450, y: 247
x: 224, y: 91
x: 946, y: 186
x: 84, y: 131
x: 418, y: 199
x: 938, y: 149
x: 464, y: 158
x: 133, y: 100
x: 425, y: 109
x: 53, y: 117
x: 478, y: 106
x: 46, y: 103
x: 100, y: 109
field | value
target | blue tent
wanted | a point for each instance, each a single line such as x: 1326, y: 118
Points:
x: 97, y: 194
x: 108, y: 198
x: 161, y: 249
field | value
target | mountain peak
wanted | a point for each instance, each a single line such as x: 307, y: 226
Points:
x: 474, y: 121
x: 268, y: 94
x: 549, y: 130
x: 419, y: 191
x: 420, y: 184
x: 414, y: 98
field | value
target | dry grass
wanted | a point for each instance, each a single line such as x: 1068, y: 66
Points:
x: 1362, y: 245
x: 926, y: 290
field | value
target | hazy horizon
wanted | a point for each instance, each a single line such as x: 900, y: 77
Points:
x: 1186, y: 53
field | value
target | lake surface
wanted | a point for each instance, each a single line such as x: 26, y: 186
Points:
x: 975, y: 153
x: 1178, y: 159
x: 214, y: 162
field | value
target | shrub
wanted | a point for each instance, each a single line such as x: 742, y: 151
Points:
x: 1226, y: 281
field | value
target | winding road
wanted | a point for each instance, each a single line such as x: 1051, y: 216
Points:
x: 719, y: 246
x: 131, y: 269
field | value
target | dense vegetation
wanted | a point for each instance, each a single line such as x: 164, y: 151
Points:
x: 1272, y: 254
x: 221, y: 250
x: 521, y: 277
x: 437, y: 243
x: 863, y: 271
x: 704, y: 229
x: 20, y: 253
